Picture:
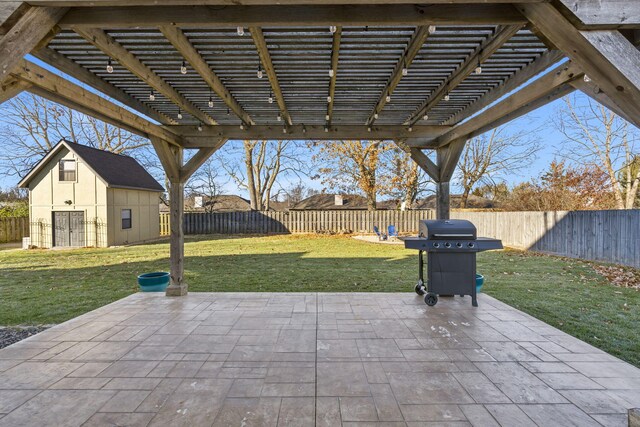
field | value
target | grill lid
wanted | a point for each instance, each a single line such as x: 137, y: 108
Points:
x: 443, y: 229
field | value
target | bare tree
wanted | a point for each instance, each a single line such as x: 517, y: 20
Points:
x: 351, y: 163
x: 32, y: 125
x: 206, y: 183
x: 264, y: 161
x: 401, y: 177
x: 597, y: 136
x: 489, y: 158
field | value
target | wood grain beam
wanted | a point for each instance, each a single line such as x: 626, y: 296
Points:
x: 10, y: 14
x: 115, y: 50
x: 80, y: 73
x: 311, y: 132
x: 335, y: 56
x: 182, y: 44
x: 10, y: 88
x: 487, y: 48
x: 448, y: 158
x: 198, y: 160
x: 425, y: 163
x: 419, y: 37
x: 154, y: 3
x: 31, y: 28
x: 75, y: 96
x: 524, y: 98
x: 545, y: 61
x: 129, y: 16
x: 265, y: 58
x: 607, y: 57
x: 601, y: 14
x: 594, y: 92
x: 167, y: 158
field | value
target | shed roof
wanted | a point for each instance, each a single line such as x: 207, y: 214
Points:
x: 116, y: 170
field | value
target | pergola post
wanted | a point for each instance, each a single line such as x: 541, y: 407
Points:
x: 447, y: 158
x: 177, y: 287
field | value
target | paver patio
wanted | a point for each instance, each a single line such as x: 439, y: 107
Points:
x: 240, y: 359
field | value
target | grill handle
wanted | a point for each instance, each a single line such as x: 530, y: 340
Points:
x: 453, y: 236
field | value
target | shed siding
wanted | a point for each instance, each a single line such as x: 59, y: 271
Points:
x: 47, y: 194
x: 145, y: 215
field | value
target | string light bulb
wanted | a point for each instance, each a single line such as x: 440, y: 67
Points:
x: 333, y: 29
x: 479, y: 69
x: 329, y: 99
x: 109, y: 67
x: 210, y: 101
x: 375, y: 116
x: 260, y: 71
x: 152, y: 96
x: 410, y: 129
x: 279, y: 118
x: 369, y: 129
x: 270, y: 97
x: 241, y: 31
x: 586, y: 78
x: 242, y: 126
x: 199, y: 127
x: 284, y: 129
x: 183, y: 68
x: 304, y: 129
x: 431, y: 29
x: 331, y: 72
x: 228, y: 112
x: 326, y: 128
x: 447, y: 97
x: 425, y: 117
x: 405, y: 71
x: 388, y: 98
x: 179, y: 115
x: 327, y: 117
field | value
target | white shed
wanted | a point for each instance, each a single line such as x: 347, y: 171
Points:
x: 81, y: 196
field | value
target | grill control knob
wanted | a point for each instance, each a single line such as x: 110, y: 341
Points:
x: 436, y: 245
x: 471, y: 244
x: 448, y: 245
x: 459, y: 244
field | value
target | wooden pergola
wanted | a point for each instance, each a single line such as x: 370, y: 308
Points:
x: 192, y: 74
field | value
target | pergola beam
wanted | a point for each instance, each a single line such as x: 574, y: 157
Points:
x: 115, y: 50
x: 265, y: 59
x: 80, y: 73
x: 10, y: 88
x: 480, y: 54
x: 536, y: 94
x: 198, y: 159
x: 607, y: 57
x: 10, y: 13
x: 194, y: 137
x: 335, y: 56
x: 416, y: 42
x: 604, y: 13
x: 522, y: 76
x: 182, y: 44
x: 425, y: 163
x: 67, y: 93
x: 594, y: 92
x: 291, y: 15
x: 21, y: 38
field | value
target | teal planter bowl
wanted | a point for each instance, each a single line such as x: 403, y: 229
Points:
x: 154, y: 282
x: 479, y: 282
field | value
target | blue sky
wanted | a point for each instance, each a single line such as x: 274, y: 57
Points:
x: 551, y: 140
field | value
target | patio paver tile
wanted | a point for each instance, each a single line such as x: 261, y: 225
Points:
x: 311, y: 359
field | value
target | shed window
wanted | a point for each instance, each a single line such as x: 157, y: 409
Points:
x: 126, y: 219
x: 67, y: 170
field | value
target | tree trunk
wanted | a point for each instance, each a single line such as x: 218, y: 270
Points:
x: 465, y: 197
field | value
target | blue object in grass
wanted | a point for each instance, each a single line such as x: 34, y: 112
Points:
x: 154, y: 282
x: 392, y: 231
x: 479, y: 282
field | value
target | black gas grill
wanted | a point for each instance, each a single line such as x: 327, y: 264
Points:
x: 451, y: 264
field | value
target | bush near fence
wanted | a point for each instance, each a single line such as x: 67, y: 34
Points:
x: 609, y: 236
x: 13, y: 229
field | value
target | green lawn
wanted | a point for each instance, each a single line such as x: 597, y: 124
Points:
x: 43, y: 287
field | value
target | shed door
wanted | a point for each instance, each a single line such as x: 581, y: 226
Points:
x: 68, y: 228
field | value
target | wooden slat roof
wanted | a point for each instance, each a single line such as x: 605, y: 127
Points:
x: 302, y: 58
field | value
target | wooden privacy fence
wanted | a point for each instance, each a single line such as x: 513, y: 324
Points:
x: 13, y: 229
x: 297, y: 221
x: 609, y: 236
